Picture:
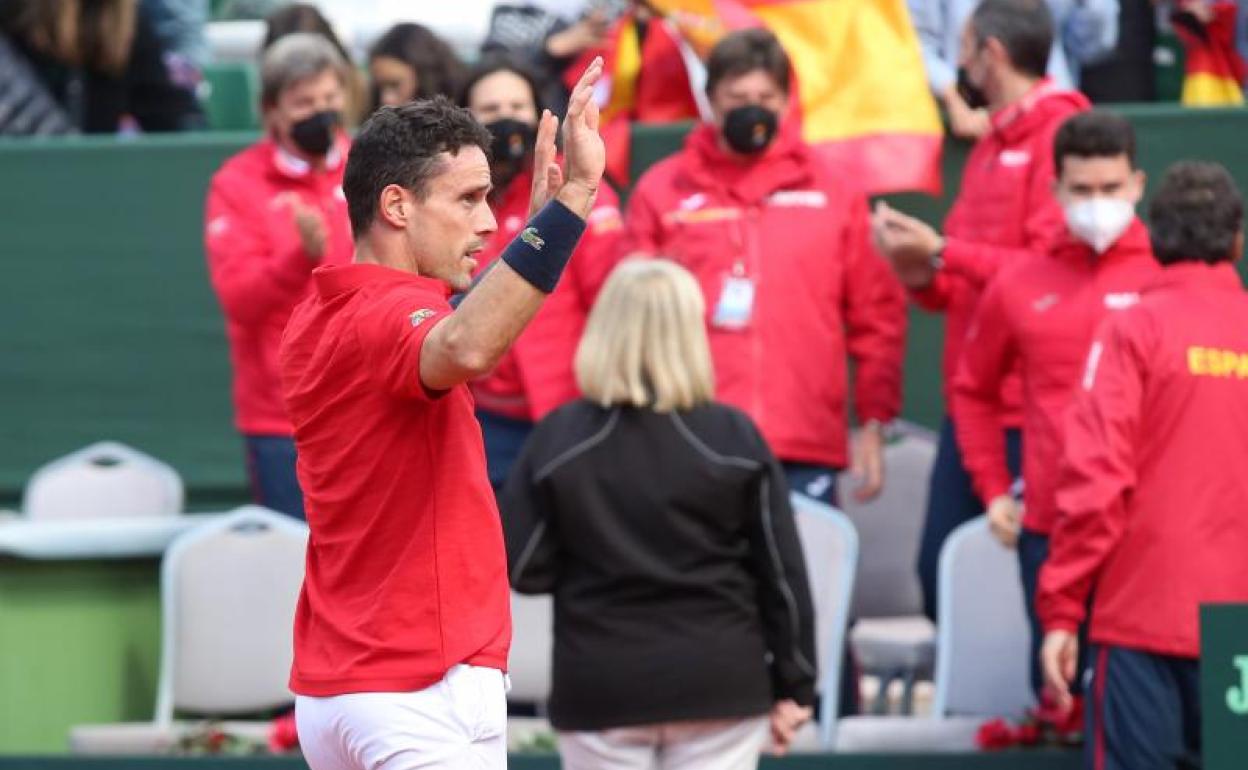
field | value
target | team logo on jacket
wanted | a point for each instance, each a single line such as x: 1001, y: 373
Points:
x: 812, y: 199
x: 1014, y: 158
x: 1044, y: 303
x: 529, y: 235
x: 1121, y: 300
x: 693, y: 202
x: 420, y: 316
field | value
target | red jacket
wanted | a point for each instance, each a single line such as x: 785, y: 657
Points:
x: 258, y: 267
x: 1005, y: 209
x: 801, y: 236
x: 1152, y: 490
x: 1037, y: 317
x: 535, y: 376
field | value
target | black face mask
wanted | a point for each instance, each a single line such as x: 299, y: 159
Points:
x: 511, y: 146
x: 314, y: 135
x: 972, y: 94
x: 750, y: 129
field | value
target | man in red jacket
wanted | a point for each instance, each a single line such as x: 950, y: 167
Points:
x: 535, y: 375
x: 782, y: 250
x: 1037, y: 317
x: 275, y: 211
x: 1005, y: 209
x: 1152, y: 491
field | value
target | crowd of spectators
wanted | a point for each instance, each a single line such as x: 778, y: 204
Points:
x: 802, y: 288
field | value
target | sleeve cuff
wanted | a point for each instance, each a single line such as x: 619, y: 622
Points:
x: 955, y: 255
x: 1062, y: 624
x: 991, y: 489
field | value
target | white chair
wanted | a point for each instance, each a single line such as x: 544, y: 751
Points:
x: 982, y: 646
x: 830, y: 546
x: 228, y: 595
x: 103, y: 480
x: 529, y: 665
x: 891, y: 637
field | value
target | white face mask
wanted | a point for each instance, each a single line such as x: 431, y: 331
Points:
x: 1100, y: 222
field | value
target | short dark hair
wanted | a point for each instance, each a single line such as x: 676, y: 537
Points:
x: 494, y: 63
x: 437, y: 67
x: 1195, y: 214
x: 402, y: 145
x: 745, y: 51
x: 1094, y: 134
x: 1024, y: 27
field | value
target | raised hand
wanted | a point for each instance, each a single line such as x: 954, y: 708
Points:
x: 547, y: 176
x: 585, y: 155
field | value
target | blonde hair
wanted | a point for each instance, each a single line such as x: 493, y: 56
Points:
x: 645, y: 342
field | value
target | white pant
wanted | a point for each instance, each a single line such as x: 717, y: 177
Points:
x: 732, y: 744
x: 459, y: 723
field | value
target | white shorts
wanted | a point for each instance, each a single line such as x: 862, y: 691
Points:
x: 730, y: 744
x: 460, y: 722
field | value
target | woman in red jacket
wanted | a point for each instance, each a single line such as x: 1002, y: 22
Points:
x: 535, y: 376
x: 793, y: 287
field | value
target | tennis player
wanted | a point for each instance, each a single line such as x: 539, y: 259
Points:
x: 403, y: 624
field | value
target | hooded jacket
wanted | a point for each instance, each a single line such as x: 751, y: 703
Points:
x: 798, y: 237
x: 1005, y: 209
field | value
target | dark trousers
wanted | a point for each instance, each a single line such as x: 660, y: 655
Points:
x: 504, y: 438
x: 1142, y: 712
x: 271, y: 466
x: 819, y: 482
x: 1033, y: 552
x: 951, y: 502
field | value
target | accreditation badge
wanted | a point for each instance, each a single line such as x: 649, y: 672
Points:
x: 735, y: 307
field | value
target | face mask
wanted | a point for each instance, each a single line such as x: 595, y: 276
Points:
x: 1099, y: 222
x: 750, y: 129
x: 314, y: 135
x: 512, y: 141
x: 972, y: 94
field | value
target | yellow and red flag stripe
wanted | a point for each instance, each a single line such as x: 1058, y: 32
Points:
x: 1214, y: 71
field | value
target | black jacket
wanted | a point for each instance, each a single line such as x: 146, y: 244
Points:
x: 671, y: 550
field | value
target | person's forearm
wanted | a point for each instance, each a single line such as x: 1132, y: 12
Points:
x: 471, y: 341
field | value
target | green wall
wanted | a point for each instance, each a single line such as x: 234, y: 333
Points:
x: 108, y: 328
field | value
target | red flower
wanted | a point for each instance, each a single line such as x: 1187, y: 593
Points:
x: 995, y: 734
x: 283, y: 735
x: 1028, y: 734
x: 215, y: 741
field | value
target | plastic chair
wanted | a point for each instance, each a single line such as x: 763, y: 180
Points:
x: 982, y: 647
x: 830, y: 546
x: 891, y: 637
x: 103, y: 480
x: 228, y: 596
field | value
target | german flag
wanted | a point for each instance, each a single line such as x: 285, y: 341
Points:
x: 862, y: 93
x: 1214, y: 71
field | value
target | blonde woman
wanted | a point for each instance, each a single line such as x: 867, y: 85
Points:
x: 660, y: 521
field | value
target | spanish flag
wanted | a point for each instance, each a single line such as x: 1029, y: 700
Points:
x: 863, y: 97
x: 1214, y: 71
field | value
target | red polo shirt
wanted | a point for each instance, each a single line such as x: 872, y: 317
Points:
x: 406, y: 568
